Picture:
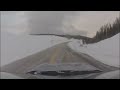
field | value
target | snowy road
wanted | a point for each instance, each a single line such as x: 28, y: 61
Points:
x: 59, y: 54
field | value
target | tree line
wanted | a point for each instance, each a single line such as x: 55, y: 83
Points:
x: 106, y: 31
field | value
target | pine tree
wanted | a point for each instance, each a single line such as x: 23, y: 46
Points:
x: 107, y: 31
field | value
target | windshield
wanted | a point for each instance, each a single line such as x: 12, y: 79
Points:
x: 59, y: 44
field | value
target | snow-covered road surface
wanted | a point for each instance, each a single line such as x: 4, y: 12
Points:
x: 59, y: 57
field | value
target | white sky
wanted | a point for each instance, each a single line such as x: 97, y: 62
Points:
x: 72, y: 22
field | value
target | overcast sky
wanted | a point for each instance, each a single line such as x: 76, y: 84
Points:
x: 71, y: 22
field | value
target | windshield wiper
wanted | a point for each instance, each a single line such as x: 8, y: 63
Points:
x: 63, y: 73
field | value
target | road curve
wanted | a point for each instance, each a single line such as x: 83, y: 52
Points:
x: 58, y: 54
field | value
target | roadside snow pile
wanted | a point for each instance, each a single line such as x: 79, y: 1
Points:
x: 110, y: 75
x: 106, y: 51
x: 4, y: 75
x: 15, y: 47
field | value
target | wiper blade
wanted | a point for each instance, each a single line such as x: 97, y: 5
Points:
x: 63, y: 73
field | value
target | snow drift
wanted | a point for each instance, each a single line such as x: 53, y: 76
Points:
x: 106, y: 51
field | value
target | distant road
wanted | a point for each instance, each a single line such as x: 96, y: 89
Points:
x: 67, y: 36
x: 58, y: 54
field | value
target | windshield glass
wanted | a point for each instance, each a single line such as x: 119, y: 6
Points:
x: 59, y: 44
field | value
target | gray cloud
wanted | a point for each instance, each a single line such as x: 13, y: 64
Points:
x: 70, y: 22
x: 49, y: 21
x: 61, y: 22
x: 14, y: 22
x: 91, y: 21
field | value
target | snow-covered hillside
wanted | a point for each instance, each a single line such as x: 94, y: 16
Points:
x: 106, y: 51
x: 15, y: 47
